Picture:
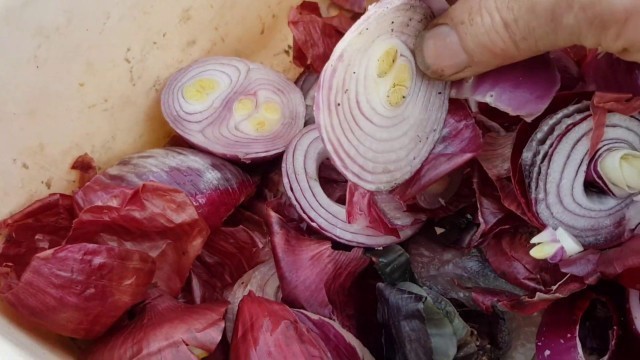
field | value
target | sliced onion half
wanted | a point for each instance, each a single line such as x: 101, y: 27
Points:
x: 233, y: 108
x: 555, y: 164
x: 300, y: 175
x: 379, y: 116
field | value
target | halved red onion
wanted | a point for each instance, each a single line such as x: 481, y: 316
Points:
x: 233, y: 108
x: 300, y: 175
x: 215, y: 186
x: 583, y: 326
x: 555, y: 163
x: 379, y: 115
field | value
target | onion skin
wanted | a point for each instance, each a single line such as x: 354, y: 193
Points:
x: 609, y: 73
x: 155, y: 219
x: 64, y: 289
x: 557, y: 151
x: 326, y: 291
x: 300, y: 176
x: 215, y: 186
x: 211, y: 122
x: 264, y: 328
x: 522, y: 89
x: 558, y: 334
x: 163, y: 328
x: 375, y: 141
x: 314, y: 36
x: 42, y: 225
x: 262, y: 280
x: 226, y: 256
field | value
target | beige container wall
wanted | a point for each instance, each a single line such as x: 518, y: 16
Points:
x: 85, y: 76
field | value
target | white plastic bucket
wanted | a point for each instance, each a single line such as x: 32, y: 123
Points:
x: 85, y: 76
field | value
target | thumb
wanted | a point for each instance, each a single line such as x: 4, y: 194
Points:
x: 475, y: 36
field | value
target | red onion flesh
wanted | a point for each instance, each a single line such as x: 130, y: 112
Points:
x: 233, y: 108
x: 379, y: 115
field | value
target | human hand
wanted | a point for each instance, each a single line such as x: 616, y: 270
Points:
x: 475, y: 36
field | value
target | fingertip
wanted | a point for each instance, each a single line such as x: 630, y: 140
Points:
x: 439, y: 53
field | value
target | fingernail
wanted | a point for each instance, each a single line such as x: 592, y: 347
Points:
x: 439, y: 52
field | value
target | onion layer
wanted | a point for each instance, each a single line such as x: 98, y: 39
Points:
x: 555, y: 163
x: 213, y: 185
x: 300, y: 176
x: 379, y: 116
x: 233, y: 108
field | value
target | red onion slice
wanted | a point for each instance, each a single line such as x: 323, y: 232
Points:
x: 233, y: 108
x: 555, y: 163
x: 379, y: 116
x: 300, y: 175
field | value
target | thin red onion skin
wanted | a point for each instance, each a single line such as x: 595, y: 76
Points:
x: 215, y: 186
x: 163, y: 328
x: 558, y: 337
x: 350, y: 122
x: 75, y: 280
x: 212, y: 130
x: 522, y: 89
x: 300, y: 173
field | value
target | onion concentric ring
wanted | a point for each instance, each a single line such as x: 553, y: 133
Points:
x: 233, y: 108
x: 379, y: 116
x: 555, y: 163
x: 300, y: 176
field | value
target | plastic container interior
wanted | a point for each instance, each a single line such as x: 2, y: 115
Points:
x: 85, y: 76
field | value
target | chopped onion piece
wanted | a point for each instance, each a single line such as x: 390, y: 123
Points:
x: 233, y: 108
x: 300, y: 175
x: 379, y: 115
x: 555, y: 245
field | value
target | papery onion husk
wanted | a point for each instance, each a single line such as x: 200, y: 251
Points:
x: 459, y: 142
x: 379, y: 115
x: 583, y: 326
x: 301, y: 180
x: 42, y: 225
x: 264, y: 327
x: 555, y: 162
x: 379, y: 210
x: 233, y: 108
x: 215, y: 186
x: 163, y: 328
x: 315, y: 36
x: 156, y: 219
x: 307, y: 82
x: 326, y: 290
x: 609, y: 73
x: 262, y: 280
x: 78, y: 290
